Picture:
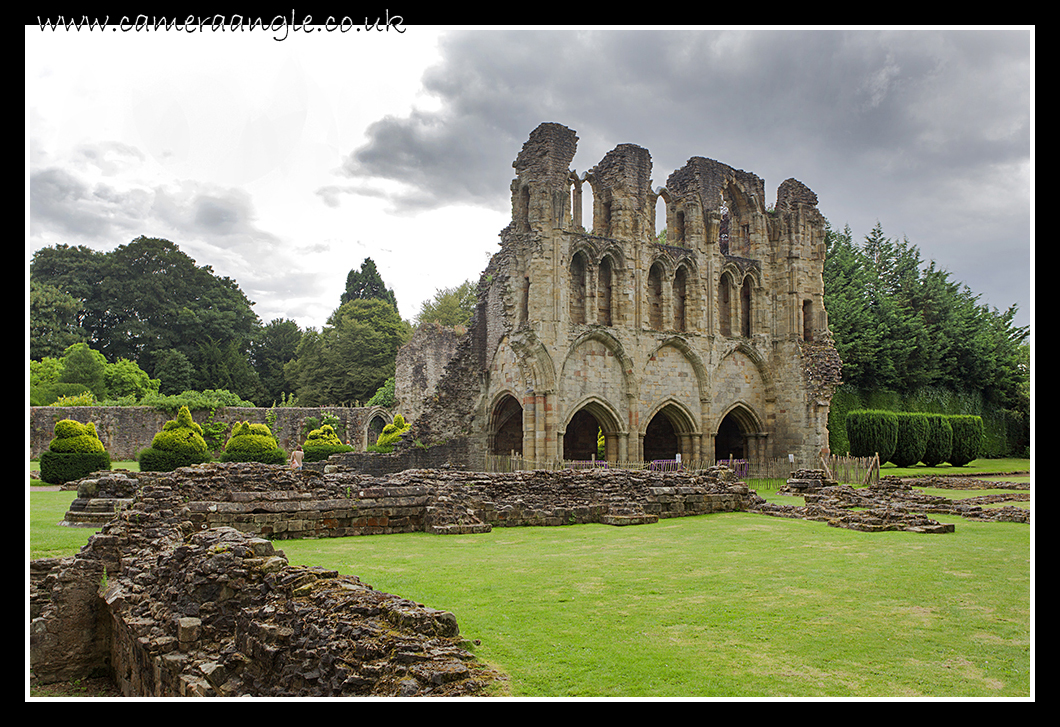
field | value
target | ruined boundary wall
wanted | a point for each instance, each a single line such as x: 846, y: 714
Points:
x: 179, y: 596
x: 126, y: 430
x: 167, y: 610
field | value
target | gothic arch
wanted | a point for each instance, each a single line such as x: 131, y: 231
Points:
x: 535, y: 361
x: 581, y: 424
x: 506, y: 424
x: 670, y: 430
x: 737, y: 432
x: 611, y: 344
x: 702, y: 377
x: 760, y: 364
x: 370, y: 432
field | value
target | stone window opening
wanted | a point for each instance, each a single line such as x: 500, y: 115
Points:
x: 807, y: 320
x: 655, y: 297
x: 745, y: 307
x: 681, y: 299
x: 578, y: 288
x: 604, y: 293
x: 725, y: 305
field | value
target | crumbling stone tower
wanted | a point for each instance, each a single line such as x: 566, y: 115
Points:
x: 710, y: 343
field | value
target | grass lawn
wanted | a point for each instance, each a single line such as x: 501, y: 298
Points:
x: 731, y: 604
x: 722, y: 605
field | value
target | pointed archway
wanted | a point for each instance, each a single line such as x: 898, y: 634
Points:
x: 506, y: 427
x: 580, y: 441
x: 739, y: 435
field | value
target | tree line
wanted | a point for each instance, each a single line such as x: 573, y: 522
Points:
x: 903, y: 328
x: 911, y: 338
x: 148, y: 310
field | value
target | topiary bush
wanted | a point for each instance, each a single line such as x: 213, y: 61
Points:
x: 872, y: 431
x: 322, y: 443
x: 913, y: 428
x: 179, y: 444
x: 939, y: 440
x: 967, y: 439
x: 391, y: 434
x: 75, y: 452
x: 253, y: 443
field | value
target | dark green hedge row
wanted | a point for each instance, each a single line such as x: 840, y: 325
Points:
x: 907, y: 438
x: 323, y: 451
x: 1006, y: 433
x: 59, y: 467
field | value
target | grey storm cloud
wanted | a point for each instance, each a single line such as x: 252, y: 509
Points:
x: 905, y: 102
x: 62, y: 202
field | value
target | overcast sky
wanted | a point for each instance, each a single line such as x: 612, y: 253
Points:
x: 284, y: 163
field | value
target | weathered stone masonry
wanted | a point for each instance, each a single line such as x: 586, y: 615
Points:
x: 713, y: 344
x: 179, y: 595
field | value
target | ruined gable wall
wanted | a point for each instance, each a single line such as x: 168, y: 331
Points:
x: 548, y: 292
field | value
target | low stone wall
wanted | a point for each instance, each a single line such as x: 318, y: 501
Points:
x: 178, y: 595
x: 277, y: 503
x: 168, y: 610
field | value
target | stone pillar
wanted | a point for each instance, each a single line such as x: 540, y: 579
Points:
x: 529, y: 425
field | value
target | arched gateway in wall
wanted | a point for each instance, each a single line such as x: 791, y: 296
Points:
x: 692, y: 343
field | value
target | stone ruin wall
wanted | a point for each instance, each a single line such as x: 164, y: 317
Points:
x: 764, y: 371
x: 178, y: 595
x: 420, y: 364
x: 126, y: 430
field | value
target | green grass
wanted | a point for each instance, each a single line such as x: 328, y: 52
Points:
x: 722, y: 605
x: 732, y: 604
x: 47, y: 538
x: 975, y: 468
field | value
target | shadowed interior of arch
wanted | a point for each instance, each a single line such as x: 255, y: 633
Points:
x: 730, y: 440
x: 507, y: 427
x: 580, y: 439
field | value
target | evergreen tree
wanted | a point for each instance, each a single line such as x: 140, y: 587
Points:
x: 367, y: 284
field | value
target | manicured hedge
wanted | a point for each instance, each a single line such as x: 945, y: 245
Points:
x: 179, y: 444
x: 967, y: 439
x: 322, y: 443
x: 75, y: 452
x: 939, y: 440
x: 872, y: 431
x: 253, y: 443
x: 913, y: 431
x: 391, y: 434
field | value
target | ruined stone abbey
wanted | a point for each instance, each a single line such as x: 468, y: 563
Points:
x: 709, y: 343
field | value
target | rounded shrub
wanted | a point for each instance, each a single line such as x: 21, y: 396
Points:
x: 75, y: 452
x: 967, y: 439
x: 391, y: 434
x: 322, y: 443
x: 179, y: 444
x: 939, y: 440
x: 253, y: 443
x: 872, y: 431
x: 913, y: 430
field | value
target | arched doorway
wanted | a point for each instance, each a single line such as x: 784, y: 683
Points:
x: 660, y: 439
x: 730, y: 441
x: 739, y: 429
x: 375, y: 428
x: 580, y: 441
x: 507, y: 427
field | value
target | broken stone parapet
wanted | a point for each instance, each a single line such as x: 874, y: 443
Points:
x: 168, y: 610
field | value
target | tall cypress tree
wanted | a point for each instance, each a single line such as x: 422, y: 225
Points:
x: 367, y: 284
